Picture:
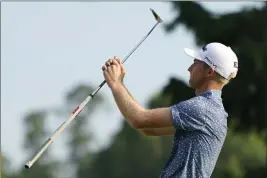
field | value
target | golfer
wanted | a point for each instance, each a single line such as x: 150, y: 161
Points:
x: 199, y: 124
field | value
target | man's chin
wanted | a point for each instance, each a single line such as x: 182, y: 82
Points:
x: 190, y: 83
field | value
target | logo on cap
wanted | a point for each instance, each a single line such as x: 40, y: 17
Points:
x: 211, y: 63
x: 204, y: 48
x: 236, y: 64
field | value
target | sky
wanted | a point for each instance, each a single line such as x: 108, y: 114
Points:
x: 48, y: 48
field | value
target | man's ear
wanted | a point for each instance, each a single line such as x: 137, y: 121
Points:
x: 209, y: 72
x: 212, y: 72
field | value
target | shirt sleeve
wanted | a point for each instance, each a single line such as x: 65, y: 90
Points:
x: 188, y: 115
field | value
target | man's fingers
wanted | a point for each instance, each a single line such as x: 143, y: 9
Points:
x: 122, y: 69
x: 117, y: 59
x: 104, y: 67
x: 109, y: 62
x: 115, y: 62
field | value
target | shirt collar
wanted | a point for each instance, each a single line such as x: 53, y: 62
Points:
x: 212, y: 93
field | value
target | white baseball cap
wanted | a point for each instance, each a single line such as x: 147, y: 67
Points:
x: 219, y: 57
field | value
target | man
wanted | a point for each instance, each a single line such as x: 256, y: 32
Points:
x: 199, y: 124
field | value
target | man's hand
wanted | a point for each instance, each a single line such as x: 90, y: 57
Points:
x: 114, y: 72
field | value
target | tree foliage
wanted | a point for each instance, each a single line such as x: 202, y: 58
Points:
x: 3, y: 165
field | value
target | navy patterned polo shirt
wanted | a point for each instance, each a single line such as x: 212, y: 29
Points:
x: 201, y: 127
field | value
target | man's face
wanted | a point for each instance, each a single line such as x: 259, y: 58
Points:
x: 197, y: 74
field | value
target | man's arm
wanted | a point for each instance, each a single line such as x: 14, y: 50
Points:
x: 137, y: 116
x: 164, y: 131
x: 158, y: 131
x: 128, y: 91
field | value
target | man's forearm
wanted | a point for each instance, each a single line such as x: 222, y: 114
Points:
x: 158, y: 131
x: 130, y: 109
x: 128, y: 91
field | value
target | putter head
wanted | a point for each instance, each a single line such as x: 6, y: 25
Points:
x: 156, y: 16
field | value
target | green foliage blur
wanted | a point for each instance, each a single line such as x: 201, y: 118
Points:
x: 132, y: 154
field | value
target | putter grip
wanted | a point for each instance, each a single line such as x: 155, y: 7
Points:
x: 58, y: 131
x: 39, y: 153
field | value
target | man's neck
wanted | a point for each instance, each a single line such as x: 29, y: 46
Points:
x: 207, y: 87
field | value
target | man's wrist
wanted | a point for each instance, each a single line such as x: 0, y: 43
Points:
x: 116, y: 87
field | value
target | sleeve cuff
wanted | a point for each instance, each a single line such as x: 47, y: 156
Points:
x: 175, y: 117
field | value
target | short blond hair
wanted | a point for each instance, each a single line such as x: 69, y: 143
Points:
x: 221, y: 79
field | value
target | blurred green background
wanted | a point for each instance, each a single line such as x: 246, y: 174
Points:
x: 131, y: 154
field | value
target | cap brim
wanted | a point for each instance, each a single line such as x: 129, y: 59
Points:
x: 192, y: 53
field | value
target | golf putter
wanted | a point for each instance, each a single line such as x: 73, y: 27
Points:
x: 78, y: 109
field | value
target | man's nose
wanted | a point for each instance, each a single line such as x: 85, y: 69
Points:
x: 189, y: 68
